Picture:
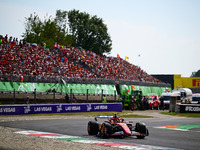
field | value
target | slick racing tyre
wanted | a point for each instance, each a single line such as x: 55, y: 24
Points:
x: 141, y: 128
x: 93, y: 128
x: 106, y: 130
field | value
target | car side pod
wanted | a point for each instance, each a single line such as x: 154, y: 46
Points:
x: 125, y: 128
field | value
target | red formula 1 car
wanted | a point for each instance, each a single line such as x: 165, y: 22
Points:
x: 116, y: 126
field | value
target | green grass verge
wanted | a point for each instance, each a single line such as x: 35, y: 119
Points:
x: 192, y: 115
x: 123, y: 114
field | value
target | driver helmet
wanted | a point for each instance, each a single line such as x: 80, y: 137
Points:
x: 115, y: 115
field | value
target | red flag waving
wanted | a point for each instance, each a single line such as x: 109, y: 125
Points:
x: 118, y: 56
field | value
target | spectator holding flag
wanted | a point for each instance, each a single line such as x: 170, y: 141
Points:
x: 126, y: 57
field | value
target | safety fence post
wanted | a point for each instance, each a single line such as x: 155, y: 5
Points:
x: 101, y: 94
x: 70, y: 95
x: 87, y: 95
x: 14, y: 96
x: 54, y: 96
x: 34, y: 96
x: 115, y: 99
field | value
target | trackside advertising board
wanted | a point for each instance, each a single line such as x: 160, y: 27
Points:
x: 58, y: 108
x: 188, y: 108
x: 76, y: 88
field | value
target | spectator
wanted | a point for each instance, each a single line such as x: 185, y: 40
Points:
x: 146, y: 104
x: 21, y: 59
x: 104, y: 99
x: 73, y: 99
x: 162, y: 103
x: 67, y: 98
x: 133, y: 102
x: 27, y: 100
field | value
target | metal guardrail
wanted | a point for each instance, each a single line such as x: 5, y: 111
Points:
x: 51, y: 93
x: 34, y: 94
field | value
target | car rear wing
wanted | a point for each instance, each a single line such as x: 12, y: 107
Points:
x: 102, y: 117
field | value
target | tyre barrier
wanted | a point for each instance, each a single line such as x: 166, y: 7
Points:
x: 58, y: 108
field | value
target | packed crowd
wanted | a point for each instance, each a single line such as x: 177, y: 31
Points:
x: 18, y: 57
x: 109, y: 67
x: 24, y: 59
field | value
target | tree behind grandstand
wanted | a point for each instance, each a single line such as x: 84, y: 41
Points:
x: 83, y: 30
x: 195, y: 74
x: 50, y: 30
x: 89, y: 32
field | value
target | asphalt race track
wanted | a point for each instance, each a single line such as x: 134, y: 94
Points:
x: 188, y: 140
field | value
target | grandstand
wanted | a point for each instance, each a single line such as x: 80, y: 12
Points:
x: 32, y: 63
x: 23, y: 59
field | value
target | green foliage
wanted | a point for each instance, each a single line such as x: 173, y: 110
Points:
x: 89, y: 32
x: 50, y: 30
x: 33, y: 28
x: 196, y: 74
x: 86, y: 31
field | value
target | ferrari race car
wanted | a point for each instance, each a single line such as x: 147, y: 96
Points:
x: 116, y: 126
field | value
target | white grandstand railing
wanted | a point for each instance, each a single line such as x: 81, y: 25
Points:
x: 71, y: 80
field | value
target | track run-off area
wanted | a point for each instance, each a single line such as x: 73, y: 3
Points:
x: 166, y: 132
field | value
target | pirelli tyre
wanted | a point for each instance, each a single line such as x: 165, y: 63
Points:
x: 93, y: 128
x: 142, y: 130
x: 106, y: 130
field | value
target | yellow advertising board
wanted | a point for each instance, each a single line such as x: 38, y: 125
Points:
x: 186, y: 82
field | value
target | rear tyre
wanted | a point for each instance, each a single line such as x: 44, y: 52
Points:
x: 93, y: 128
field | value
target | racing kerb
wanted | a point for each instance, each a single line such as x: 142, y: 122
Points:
x: 58, y: 108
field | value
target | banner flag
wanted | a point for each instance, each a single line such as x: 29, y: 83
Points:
x: 118, y: 56
x: 133, y: 87
x: 126, y: 57
x: 63, y: 82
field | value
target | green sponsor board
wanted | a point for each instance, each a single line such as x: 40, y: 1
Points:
x: 145, y: 89
x: 76, y: 88
x: 44, y: 87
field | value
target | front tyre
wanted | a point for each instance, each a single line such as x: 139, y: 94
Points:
x: 142, y: 130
